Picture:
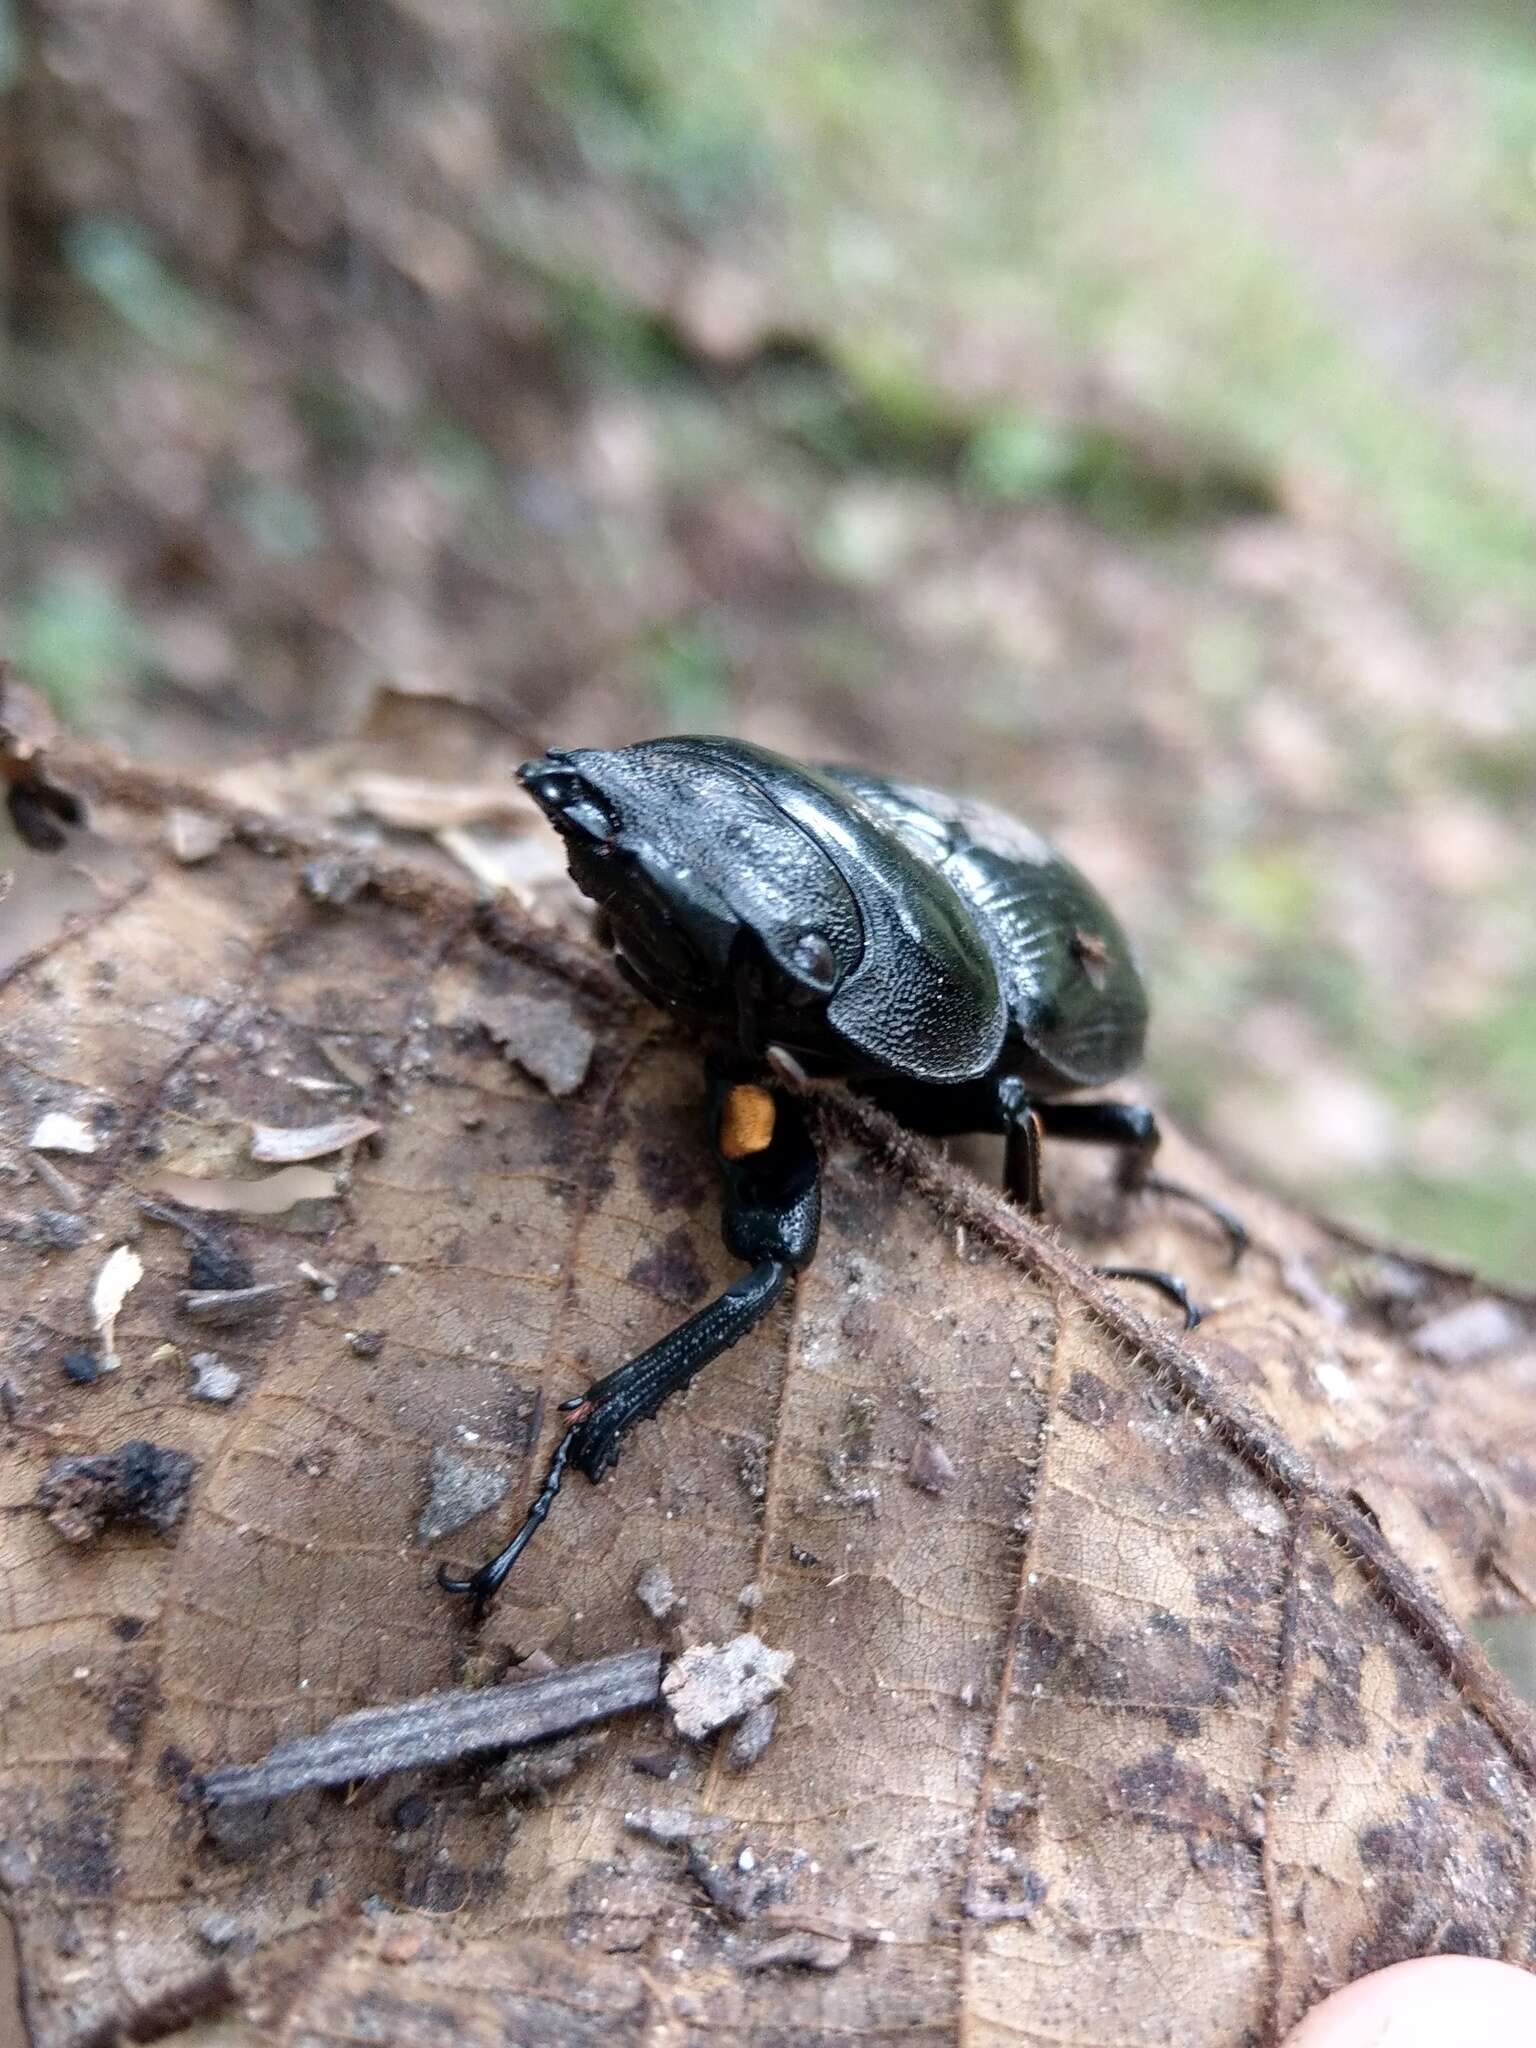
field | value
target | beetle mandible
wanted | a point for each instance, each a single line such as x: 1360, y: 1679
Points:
x: 934, y: 953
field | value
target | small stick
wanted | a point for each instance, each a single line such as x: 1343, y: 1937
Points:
x: 441, y: 1727
x: 226, y: 1308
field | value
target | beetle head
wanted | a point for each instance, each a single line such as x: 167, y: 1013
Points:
x: 693, y: 862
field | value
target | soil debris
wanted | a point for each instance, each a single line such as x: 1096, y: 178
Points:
x: 1467, y: 1335
x: 218, y: 1931
x: 212, y: 1379
x: 673, y: 1827
x: 752, y: 1737
x: 932, y: 1468
x: 801, y: 1950
x: 351, y: 1069
x: 40, y: 809
x: 534, y: 1773
x: 140, y: 1482
x: 459, y: 1489
x: 83, y: 1367
x: 213, y: 1267
x: 269, y: 1196
x: 713, y: 1684
x: 211, y: 1261
x: 542, y: 1035
x: 49, y: 1230
x: 64, y: 1191
x: 334, y: 879
x: 655, y: 1592
x: 193, y: 836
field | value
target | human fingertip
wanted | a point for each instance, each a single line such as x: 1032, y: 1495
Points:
x: 1437, y: 2002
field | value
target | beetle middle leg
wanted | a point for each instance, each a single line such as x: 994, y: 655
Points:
x: 1001, y: 1106
x: 771, y: 1218
x: 1132, y: 1129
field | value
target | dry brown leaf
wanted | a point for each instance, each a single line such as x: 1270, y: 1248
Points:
x: 1140, y: 1730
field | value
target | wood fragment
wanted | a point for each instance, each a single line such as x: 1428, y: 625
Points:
x: 225, y: 1308
x: 441, y: 1727
x: 64, y: 1191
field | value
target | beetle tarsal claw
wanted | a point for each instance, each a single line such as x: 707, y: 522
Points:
x: 747, y: 1117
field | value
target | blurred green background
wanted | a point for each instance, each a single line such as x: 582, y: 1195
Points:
x: 1124, y: 409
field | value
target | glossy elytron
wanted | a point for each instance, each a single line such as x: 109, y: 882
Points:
x: 931, y: 951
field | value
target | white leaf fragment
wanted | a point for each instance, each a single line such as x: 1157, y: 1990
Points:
x: 712, y: 1684
x: 278, y: 1145
x: 58, y: 1132
x: 120, y: 1274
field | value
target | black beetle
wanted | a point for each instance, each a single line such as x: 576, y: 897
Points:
x: 40, y: 809
x: 937, y: 955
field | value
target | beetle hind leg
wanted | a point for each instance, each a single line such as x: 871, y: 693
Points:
x: 771, y: 1218
x: 1132, y: 1129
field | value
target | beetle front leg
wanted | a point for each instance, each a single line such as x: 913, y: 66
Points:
x: 771, y: 1219
x: 1132, y: 1129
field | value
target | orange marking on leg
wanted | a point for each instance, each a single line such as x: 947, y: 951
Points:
x: 747, y: 1118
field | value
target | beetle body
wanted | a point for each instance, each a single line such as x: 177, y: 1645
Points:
x: 876, y: 930
x: 930, y: 951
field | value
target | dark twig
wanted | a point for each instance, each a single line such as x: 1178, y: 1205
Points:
x: 441, y: 1727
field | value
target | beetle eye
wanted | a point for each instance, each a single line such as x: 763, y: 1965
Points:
x: 554, y: 788
x: 567, y: 800
x: 814, y: 960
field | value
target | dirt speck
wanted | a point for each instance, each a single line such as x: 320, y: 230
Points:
x: 334, y: 879
x: 655, y: 1592
x: 212, y: 1379
x: 459, y: 1489
x: 192, y: 836
x: 1469, y: 1334
x: 932, y: 1469
x: 713, y: 1684
x: 543, y: 1035
x: 752, y: 1737
x: 141, y: 1482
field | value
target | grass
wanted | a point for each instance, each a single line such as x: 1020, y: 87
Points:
x: 75, y: 638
